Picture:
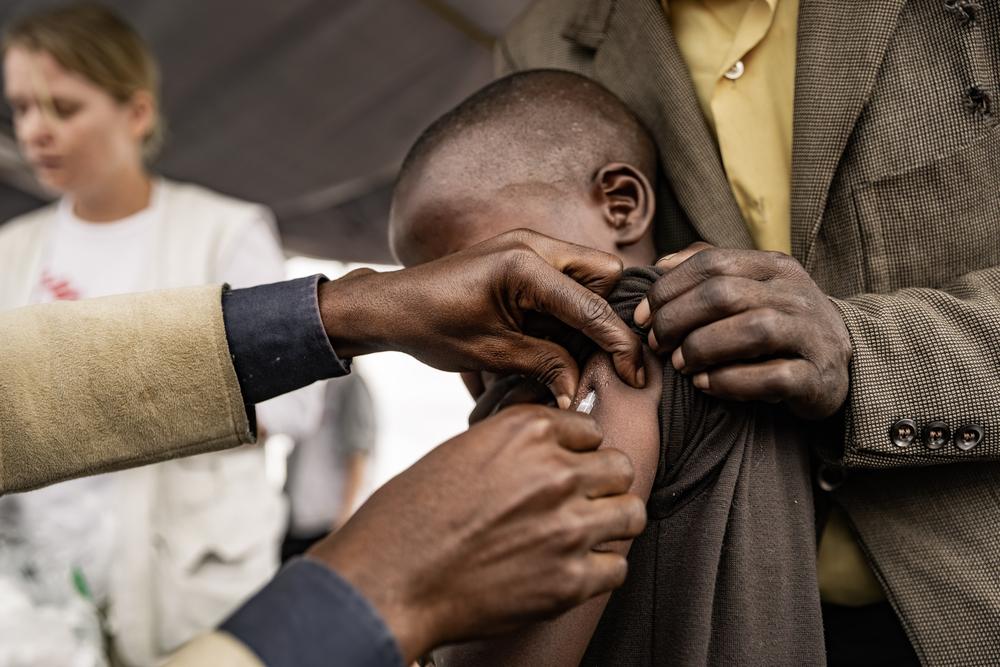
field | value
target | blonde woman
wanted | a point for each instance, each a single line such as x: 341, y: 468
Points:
x: 169, y: 549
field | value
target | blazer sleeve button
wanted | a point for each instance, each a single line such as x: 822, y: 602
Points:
x: 968, y: 436
x: 936, y: 435
x: 903, y: 432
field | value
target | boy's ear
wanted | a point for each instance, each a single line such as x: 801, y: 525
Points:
x: 626, y: 200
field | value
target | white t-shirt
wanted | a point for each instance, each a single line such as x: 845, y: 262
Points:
x: 76, y: 524
x: 84, y: 260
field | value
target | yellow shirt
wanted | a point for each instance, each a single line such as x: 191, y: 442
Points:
x: 741, y: 55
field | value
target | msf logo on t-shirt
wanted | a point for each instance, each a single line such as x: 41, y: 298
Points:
x: 59, y: 289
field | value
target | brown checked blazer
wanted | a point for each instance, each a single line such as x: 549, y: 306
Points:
x: 896, y: 215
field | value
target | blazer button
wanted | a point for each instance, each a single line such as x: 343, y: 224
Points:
x: 968, y: 436
x: 936, y: 435
x: 903, y: 432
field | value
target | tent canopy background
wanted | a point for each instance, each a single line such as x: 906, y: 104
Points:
x: 305, y: 105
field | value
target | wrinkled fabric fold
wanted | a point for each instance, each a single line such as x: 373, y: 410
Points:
x: 725, y: 572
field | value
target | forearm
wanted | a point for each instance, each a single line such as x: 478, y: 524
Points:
x: 927, y: 356
x: 104, y: 384
x: 560, y: 642
x: 94, y: 386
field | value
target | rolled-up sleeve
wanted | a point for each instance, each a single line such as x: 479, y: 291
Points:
x: 308, y: 615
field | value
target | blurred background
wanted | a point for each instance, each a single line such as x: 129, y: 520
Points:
x: 308, y: 106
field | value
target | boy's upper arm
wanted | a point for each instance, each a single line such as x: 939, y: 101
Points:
x: 629, y: 417
x: 630, y: 421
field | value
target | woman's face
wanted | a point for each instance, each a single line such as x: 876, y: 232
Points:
x: 76, y: 137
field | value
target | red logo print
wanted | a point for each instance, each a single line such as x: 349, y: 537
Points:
x: 59, y: 288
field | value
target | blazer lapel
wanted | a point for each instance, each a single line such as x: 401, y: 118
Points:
x: 637, y: 58
x: 840, y: 48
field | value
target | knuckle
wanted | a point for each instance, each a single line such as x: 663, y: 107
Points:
x: 784, y: 264
x: 540, y: 428
x: 658, y: 293
x: 695, y: 349
x: 634, y: 512
x: 762, y: 326
x: 701, y: 263
x: 619, y: 572
x: 716, y: 294
x: 562, y: 482
x: 571, y: 532
x: 520, y: 236
x: 546, y: 367
x: 801, y: 303
x: 572, y: 585
x: 523, y: 414
x: 783, y: 379
x: 518, y: 257
x: 620, y: 466
x: 716, y: 261
x: 596, y: 310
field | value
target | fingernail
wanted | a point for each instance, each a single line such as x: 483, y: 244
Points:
x: 641, y: 314
x: 563, y: 401
x: 665, y: 258
x: 701, y: 381
x: 640, y: 377
x: 677, y: 359
x: 653, y: 345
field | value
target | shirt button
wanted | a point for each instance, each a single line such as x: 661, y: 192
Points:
x: 829, y: 477
x: 903, y: 432
x: 736, y: 71
x: 936, y: 435
x: 968, y: 436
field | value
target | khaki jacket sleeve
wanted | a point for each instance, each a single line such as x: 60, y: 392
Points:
x: 216, y: 649
x: 924, y: 357
x: 99, y: 385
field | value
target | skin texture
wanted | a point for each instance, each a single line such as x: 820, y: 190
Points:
x: 353, y: 477
x: 750, y: 325
x: 629, y: 419
x: 507, y: 515
x: 472, y: 310
x: 440, y: 213
x: 79, y: 140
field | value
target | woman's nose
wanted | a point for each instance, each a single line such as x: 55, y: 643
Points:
x: 34, y: 128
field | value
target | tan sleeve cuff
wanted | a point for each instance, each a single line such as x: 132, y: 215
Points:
x: 217, y: 649
x: 93, y: 386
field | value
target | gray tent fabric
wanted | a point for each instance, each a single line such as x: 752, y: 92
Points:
x: 305, y: 105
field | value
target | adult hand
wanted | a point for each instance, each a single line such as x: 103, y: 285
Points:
x: 750, y: 325
x: 493, y: 529
x: 486, y: 308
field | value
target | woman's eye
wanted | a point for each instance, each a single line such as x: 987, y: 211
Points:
x: 19, y: 109
x: 65, y: 109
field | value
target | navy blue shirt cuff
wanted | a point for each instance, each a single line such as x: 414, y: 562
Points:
x: 308, y: 615
x: 276, y: 338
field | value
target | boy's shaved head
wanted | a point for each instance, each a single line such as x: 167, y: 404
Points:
x: 529, y: 138
x: 560, y: 124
